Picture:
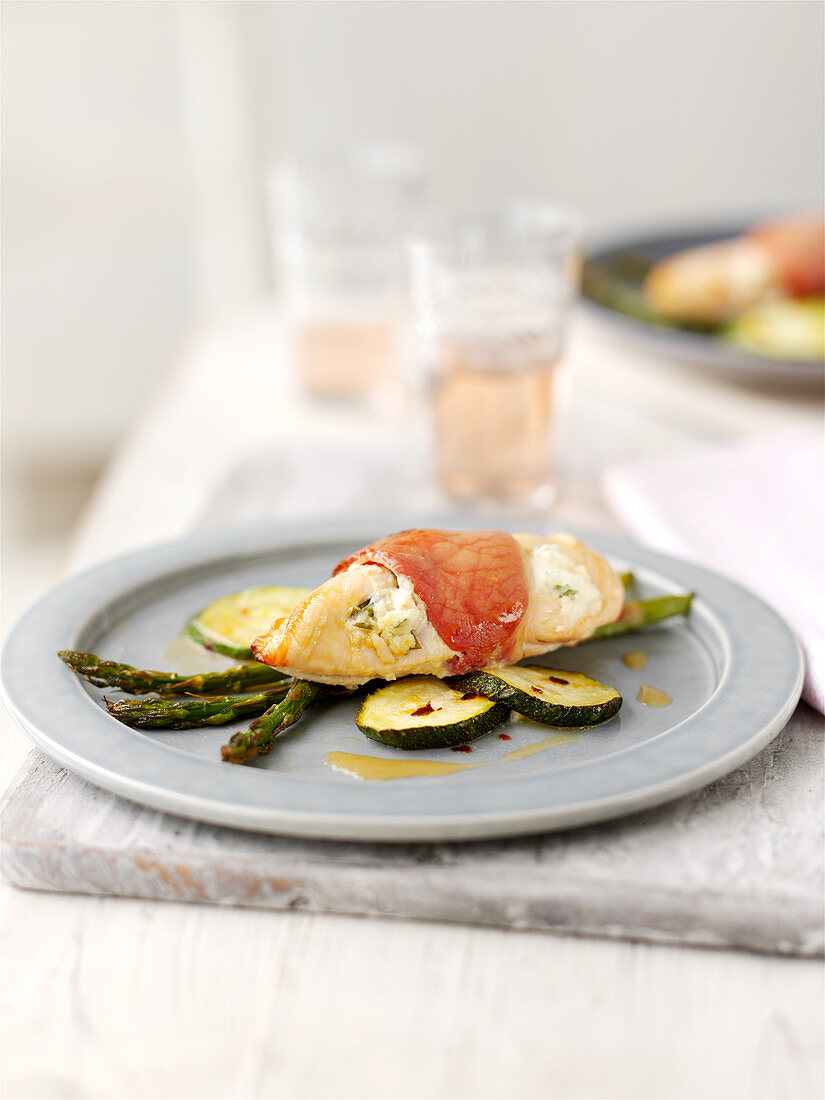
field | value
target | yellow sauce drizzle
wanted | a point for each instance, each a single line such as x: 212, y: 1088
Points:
x: 537, y: 746
x: 652, y: 697
x: 635, y: 659
x: 378, y: 767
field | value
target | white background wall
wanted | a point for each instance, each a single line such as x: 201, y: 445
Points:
x: 135, y: 137
x: 624, y: 109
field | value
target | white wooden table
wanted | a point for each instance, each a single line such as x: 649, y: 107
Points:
x: 114, y: 998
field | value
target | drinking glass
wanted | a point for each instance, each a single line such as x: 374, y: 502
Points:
x: 490, y: 296
x: 339, y: 227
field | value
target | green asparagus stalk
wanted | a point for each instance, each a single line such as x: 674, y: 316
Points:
x: 628, y: 580
x: 139, y: 681
x: 639, y: 613
x: 257, y: 740
x: 182, y: 714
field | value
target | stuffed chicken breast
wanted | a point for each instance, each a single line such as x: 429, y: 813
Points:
x: 442, y: 603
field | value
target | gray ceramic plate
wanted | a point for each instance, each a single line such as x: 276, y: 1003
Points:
x: 733, y: 670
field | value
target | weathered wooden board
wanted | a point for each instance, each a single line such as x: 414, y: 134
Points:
x: 739, y: 864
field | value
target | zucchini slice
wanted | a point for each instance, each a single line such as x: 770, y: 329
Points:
x: 231, y: 624
x: 423, y: 712
x: 552, y: 696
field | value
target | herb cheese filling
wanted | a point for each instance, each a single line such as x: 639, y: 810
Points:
x: 390, y: 617
x: 553, y: 573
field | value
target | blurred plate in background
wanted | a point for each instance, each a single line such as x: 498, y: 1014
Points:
x: 612, y: 300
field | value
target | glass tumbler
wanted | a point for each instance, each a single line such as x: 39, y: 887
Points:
x: 490, y: 297
x: 339, y: 228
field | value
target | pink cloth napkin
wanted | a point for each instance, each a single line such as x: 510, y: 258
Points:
x: 754, y: 511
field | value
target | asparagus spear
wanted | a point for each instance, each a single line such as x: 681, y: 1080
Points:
x: 258, y: 738
x: 182, y: 714
x: 639, y: 613
x: 139, y: 681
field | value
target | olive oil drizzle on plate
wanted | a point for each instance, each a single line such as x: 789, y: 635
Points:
x: 379, y: 767
x: 652, y: 697
x: 634, y: 659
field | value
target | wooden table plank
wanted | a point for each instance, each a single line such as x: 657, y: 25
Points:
x: 122, y: 999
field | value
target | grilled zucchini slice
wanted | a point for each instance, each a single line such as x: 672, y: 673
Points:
x: 552, y: 696
x: 231, y: 624
x: 423, y: 712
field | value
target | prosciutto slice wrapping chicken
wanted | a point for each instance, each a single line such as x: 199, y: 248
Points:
x: 429, y: 602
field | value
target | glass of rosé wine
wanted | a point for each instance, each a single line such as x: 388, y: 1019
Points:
x: 339, y: 228
x: 490, y: 297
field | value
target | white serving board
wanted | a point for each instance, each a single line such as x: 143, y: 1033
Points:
x: 737, y: 864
